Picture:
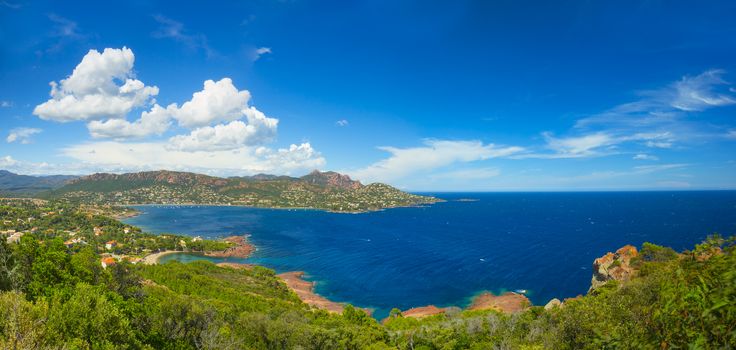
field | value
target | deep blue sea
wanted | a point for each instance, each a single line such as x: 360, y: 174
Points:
x: 446, y: 253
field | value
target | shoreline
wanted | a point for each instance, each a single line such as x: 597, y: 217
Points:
x: 242, y: 250
x: 152, y: 259
x: 305, y: 291
x: 418, y: 205
x: 294, y: 280
x: 507, y: 302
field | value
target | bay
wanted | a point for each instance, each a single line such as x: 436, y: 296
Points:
x: 446, y: 253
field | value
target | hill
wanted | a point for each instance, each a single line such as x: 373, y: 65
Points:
x: 318, y: 190
x: 14, y: 185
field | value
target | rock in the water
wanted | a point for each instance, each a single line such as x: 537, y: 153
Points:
x: 613, y: 266
x: 553, y: 304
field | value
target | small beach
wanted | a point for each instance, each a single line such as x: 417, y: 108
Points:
x: 152, y: 258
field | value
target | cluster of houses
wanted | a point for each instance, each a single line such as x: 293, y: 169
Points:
x: 108, y: 259
x: 12, y: 236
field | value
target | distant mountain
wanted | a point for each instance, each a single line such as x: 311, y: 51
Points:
x: 14, y: 185
x: 319, y: 190
x: 331, y: 179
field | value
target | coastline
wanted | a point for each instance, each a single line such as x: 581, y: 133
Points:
x: 508, y: 302
x: 305, y: 291
x: 152, y: 259
x: 242, y: 249
x: 418, y: 205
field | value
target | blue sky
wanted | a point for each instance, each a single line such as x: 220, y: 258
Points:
x: 424, y: 95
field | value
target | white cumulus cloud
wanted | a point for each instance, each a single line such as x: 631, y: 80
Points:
x: 153, y: 122
x: 226, y: 136
x: 218, y: 102
x: 92, y: 91
x: 126, y: 157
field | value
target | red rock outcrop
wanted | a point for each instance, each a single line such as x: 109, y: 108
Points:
x: 242, y: 248
x: 613, y: 266
x: 424, y: 311
x: 508, y: 302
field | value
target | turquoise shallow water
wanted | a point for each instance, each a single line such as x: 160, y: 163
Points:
x: 445, y: 253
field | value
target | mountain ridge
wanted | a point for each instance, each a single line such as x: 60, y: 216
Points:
x: 12, y: 184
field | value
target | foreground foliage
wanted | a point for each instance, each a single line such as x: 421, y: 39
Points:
x: 59, y: 297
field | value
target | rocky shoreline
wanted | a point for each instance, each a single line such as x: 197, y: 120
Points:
x: 612, y: 266
x: 242, y: 248
x: 305, y: 291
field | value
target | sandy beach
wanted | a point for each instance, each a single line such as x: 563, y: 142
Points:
x: 152, y: 259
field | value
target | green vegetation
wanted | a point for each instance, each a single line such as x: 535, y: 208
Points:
x: 55, y: 296
x: 79, y: 227
x: 328, y: 191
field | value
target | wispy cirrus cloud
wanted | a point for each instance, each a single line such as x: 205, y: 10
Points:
x: 659, y: 118
x: 22, y: 135
x: 63, y: 33
x: 256, y: 53
x: 578, y: 146
x: 64, y: 27
x: 644, y: 156
x: 434, y: 154
x: 171, y: 29
x: 467, y: 174
x: 668, y: 104
x: 10, y: 5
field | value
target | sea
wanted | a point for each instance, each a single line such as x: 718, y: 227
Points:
x: 446, y: 253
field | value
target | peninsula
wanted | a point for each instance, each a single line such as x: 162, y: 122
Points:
x: 329, y: 191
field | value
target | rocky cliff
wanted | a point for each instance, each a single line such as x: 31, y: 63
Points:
x: 613, y: 266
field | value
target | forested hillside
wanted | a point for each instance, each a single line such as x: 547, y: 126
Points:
x: 317, y: 190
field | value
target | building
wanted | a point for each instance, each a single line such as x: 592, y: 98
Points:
x: 107, y: 261
x: 15, y: 237
x: 111, y: 244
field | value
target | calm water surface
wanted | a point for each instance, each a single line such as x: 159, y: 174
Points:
x: 445, y: 253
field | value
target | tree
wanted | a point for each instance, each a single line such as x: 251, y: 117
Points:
x: 8, y: 268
